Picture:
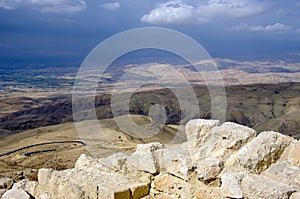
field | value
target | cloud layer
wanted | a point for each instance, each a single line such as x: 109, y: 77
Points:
x: 57, y: 6
x: 178, y: 11
x: 170, y: 12
x: 111, y: 6
x: 259, y: 28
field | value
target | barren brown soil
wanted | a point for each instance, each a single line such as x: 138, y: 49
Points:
x: 64, y: 155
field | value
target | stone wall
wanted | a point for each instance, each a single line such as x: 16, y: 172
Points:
x: 217, y: 161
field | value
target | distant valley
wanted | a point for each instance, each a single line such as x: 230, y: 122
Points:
x: 36, y: 107
x: 260, y: 106
x: 259, y: 94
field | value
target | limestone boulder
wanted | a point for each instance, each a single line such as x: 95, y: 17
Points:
x: 139, y: 190
x: 117, y: 193
x: 263, y: 150
x: 284, y: 173
x: 261, y: 187
x: 148, y: 148
x: 145, y: 158
x: 176, y: 161
x: 233, y: 136
x: 44, y: 176
x: 197, y: 128
x: 91, y: 178
x: 15, y: 193
x: 115, y: 161
x: 220, y: 141
x: 231, y: 185
x: 122, y: 192
x: 78, y: 184
x: 29, y: 186
x: 209, y: 169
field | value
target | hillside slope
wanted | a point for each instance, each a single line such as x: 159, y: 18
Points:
x: 259, y: 106
x: 63, y: 155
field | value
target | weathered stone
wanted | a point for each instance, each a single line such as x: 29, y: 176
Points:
x: 262, y: 151
x: 176, y: 161
x: 220, y: 141
x: 140, y: 190
x: 231, y: 185
x: 44, y: 176
x: 117, y: 193
x: 197, y: 132
x: 115, y: 161
x: 15, y: 194
x: 260, y: 187
x: 202, y: 149
x: 230, y: 137
x: 126, y: 191
x: 6, y: 183
x: 294, y: 155
x: 21, y: 184
x: 284, y: 173
x: 144, y: 158
x: 148, y: 148
x: 233, y: 136
x: 83, y: 161
x: 295, y: 195
x: 209, y: 169
x: 197, y: 127
x: 30, y: 187
x: 70, y: 191
x: 94, y: 180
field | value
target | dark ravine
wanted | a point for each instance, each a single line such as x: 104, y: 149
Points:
x: 259, y: 106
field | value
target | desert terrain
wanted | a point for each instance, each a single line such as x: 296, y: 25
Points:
x: 41, y: 119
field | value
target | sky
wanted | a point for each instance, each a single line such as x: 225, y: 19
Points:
x: 63, y: 32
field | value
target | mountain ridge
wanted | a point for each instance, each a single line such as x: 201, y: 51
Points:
x: 259, y: 106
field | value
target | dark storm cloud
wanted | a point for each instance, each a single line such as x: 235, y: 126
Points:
x: 69, y: 29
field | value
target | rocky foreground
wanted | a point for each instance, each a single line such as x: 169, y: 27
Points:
x: 217, y: 161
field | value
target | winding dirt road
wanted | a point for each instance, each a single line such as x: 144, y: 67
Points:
x: 41, y: 144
